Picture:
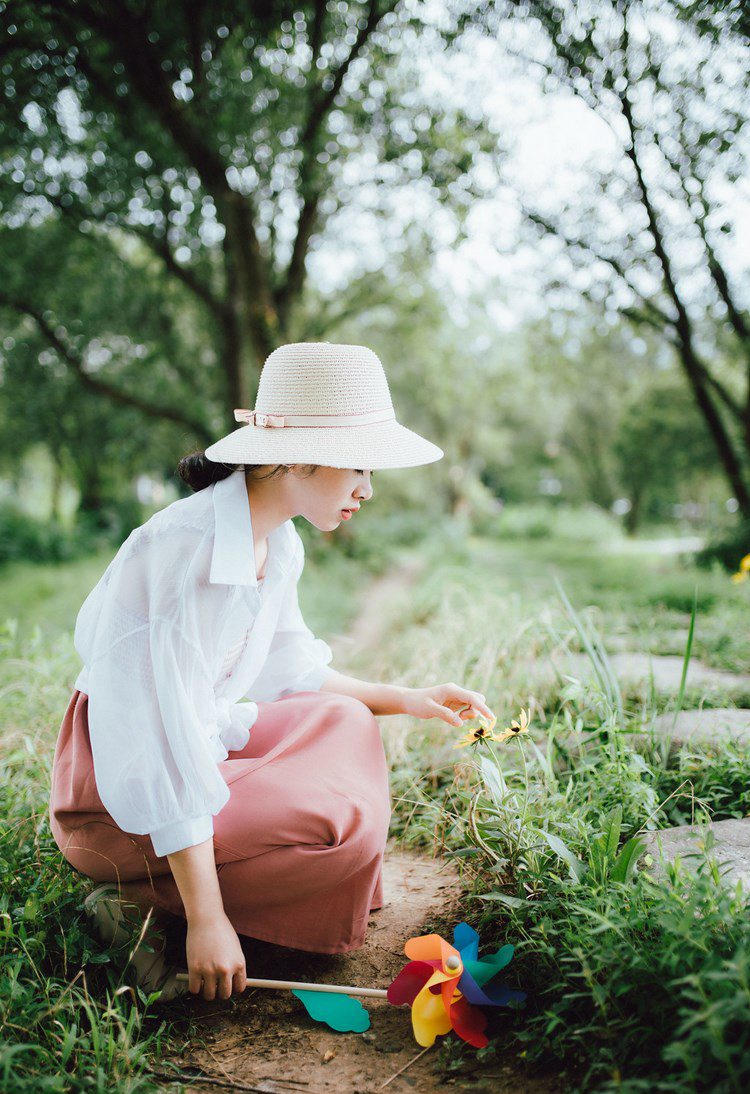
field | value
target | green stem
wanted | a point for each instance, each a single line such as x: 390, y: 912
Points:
x: 526, y: 782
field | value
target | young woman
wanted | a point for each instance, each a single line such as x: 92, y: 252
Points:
x: 211, y: 762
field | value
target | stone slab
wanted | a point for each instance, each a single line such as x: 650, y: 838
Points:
x: 701, y: 726
x: 731, y: 850
x: 667, y: 671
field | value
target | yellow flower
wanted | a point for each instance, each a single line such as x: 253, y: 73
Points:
x: 515, y: 728
x: 741, y: 575
x: 745, y: 564
x: 482, y: 732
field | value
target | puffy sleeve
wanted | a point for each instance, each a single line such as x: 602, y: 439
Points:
x: 153, y: 715
x: 296, y: 660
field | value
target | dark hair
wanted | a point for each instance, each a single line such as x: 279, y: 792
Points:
x: 199, y: 472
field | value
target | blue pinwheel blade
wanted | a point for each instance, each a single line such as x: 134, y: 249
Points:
x: 500, y: 995
x: 496, y: 995
x: 340, y: 1012
x: 466, y: 941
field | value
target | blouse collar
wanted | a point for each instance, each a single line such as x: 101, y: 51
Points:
x: 233, y: 557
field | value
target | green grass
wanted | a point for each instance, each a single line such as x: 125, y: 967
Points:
x: 48, y: 594
x: 633, y: 983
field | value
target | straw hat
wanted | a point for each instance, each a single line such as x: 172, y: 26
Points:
x: 323, y: 403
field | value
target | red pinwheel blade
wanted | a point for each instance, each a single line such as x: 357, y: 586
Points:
x: 409, y: 982
x: 469, y: 1023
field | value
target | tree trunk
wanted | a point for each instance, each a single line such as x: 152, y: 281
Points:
x: 632, y: 520
x: 57, y: 481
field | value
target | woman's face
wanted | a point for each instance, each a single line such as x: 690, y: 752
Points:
x: 321, y: 497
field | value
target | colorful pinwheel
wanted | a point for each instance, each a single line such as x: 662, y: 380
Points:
x: 442, y: 984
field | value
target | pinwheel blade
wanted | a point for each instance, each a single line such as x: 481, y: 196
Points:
x: 429, y: 1017
x: 466, y: 941
x: 494, y: 995
x: 469, y: 1023
x: 501, y: 958
x: 409, y: 982
x: 340, y: 1012
x: 498, y: 995
x: 448, y: 992
x: 484, y: 970
x: 429, y: 947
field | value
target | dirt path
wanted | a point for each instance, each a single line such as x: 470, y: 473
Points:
x: 383, y: 597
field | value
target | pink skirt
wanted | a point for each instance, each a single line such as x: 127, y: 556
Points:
x: 299, y: 845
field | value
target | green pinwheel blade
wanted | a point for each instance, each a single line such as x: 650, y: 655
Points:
x: 483, y: 971
x: 340, y: 1012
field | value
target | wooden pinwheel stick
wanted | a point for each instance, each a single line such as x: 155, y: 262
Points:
x: 289, y: 985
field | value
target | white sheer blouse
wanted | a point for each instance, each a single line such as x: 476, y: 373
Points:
x: 179, y: 641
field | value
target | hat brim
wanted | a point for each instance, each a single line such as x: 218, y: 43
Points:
x: 372, y: 447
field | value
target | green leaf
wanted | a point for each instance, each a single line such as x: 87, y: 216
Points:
x: 627, y: 858
x: 686, y: 659
x: 611, y: 831
x: 575, y: 866
x: 501, y: 898
x: 493, y: 779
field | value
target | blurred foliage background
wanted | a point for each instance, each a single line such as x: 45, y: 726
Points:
x: 535, y: 213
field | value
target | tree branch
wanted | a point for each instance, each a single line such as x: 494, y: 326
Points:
x: 659, y: 317
x: 159, y: 246
x: 319, y: 106
x: 695, y: 369
x: 70, y: 355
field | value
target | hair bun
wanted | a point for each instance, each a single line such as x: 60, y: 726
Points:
x: 199, y: 472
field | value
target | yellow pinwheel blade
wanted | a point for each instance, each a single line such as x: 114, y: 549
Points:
x: 429, y: 1018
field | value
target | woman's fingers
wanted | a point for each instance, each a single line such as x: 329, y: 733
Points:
x: 473, y: 702
x: 447, y: 714
x: 218, y: 985
x: 225, y: 985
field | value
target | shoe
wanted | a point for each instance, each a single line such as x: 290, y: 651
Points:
x: 115, y: 920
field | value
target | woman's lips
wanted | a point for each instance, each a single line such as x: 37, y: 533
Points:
x: 348, y: 513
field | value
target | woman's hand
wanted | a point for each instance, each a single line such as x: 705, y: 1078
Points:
x: 216, y: 963
x: 445, y: 701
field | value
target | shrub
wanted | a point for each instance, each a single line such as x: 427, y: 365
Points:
x: 727, y: 549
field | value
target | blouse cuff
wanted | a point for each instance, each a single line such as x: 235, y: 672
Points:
x: 234, y: 721
x: 181, y: 834
x: 315, y: 679
x: 244, y: 714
